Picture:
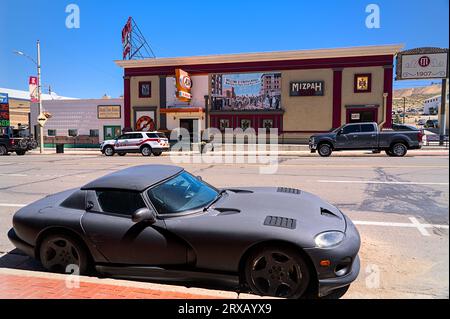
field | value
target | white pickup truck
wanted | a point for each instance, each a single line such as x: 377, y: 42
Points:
x: 146, y: 143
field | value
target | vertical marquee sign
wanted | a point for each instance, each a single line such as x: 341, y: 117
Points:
x: 4, y: 110
x: 184, y: 85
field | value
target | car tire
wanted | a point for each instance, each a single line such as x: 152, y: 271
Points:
x: 337, y: 294
x: 389, y: 152
x: 157, y: 153
x: 277, y: 271
x: 109, y: 151
x: 20, y: 153
x: 146, y: 150
x: 58, y: 252
x: 122, y: 154
x: 3, y: 150
x: 399, y: 149
x: 325, y: 150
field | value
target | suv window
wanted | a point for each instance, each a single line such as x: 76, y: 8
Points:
x: 352, y: 129
x: 367, y: 128
x: 120, y: 202
x: 152, y: 135
x: 136, y: 135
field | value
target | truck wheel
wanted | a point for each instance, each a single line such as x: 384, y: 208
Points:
x: 20, y: 153
x: 109, y: 151
x: 3, y: 150
x: 399, y: 149
x: 389, y: 152
x: 325, y: 150
x: 146, y: 150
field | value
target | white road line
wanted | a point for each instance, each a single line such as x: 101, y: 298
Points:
x: 380, y: 182
x: 414, y: 224
x: 419, y: 226
x: 14, y: 175
x: 12, y: 205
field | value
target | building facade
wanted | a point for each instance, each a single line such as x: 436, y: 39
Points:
x: 297, y: 92
x: 80, y: 123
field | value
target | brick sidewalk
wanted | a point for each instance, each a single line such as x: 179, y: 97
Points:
x: 15, y: 284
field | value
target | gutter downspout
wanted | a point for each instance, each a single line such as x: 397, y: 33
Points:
x: 385, y: 96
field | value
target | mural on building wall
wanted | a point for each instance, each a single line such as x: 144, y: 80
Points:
x: 145, y: 121
x: 246, y: 91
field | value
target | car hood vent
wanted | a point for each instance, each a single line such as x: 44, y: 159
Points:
x: 289, y: 190
x: 282, y: 222
x: 240, y: 191
x: 326, y: 212
x: 227, y: 211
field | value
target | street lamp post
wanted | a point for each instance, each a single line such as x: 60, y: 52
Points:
x: 38, y: 64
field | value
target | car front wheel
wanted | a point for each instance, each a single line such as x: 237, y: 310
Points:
x: 399, y: 150
x: 277, y: 272
x: 63, y: 254
x: 109, y: 151
x: 325, y: 150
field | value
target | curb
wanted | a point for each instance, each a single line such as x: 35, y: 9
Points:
x: 162, y: 288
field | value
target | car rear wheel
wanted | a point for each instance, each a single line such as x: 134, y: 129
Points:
x: 325, y: 150
x: 157, y: 153
x: 3, y: 150
x: 399, y: 149
x: 20, y: 153
x: 146, y: 150
x: 109, y: 151
x: 63, y: 254
x: 389, y: 152
x: 277, y: 272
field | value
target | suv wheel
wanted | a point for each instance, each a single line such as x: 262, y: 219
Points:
x: 146, y: 150
x: 325, y: 150
x: 157, y: 153
x: 399, y: 149
x: 109, y: 151
x: 3, y: 150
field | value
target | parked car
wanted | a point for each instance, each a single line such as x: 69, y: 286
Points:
x: 146, y: 143
x: 15, y: 141
x: 421, y: 122
x: 365, y: 136
x: 432, y: 124
x: 160, y: 222
x: 404, y: 127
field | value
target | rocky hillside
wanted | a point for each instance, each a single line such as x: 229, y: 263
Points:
x: 415, y: 96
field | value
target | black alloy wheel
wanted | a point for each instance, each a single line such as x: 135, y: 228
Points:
x: 277, y: 272
x: 399, y: 150
x: 63, y: 254
x: 325, y: 150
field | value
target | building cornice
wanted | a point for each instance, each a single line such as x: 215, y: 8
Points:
x: 264, y: 56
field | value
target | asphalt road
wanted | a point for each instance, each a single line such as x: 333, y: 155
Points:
x: 400, y: 206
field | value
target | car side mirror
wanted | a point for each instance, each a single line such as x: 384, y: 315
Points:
x: 144, y: 215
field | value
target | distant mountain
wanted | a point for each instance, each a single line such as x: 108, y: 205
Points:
x: 434, y: 89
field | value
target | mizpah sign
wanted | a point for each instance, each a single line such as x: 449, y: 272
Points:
x: 307, y: 88
x: 422, y: 63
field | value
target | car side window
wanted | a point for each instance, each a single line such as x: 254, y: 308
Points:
x: 367, y: 128
x: 152, y: 135
x: 120, y: 202
x: 352, y: 129
x: 136, y: 135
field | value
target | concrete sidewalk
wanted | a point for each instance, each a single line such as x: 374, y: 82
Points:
x: 22, y: 284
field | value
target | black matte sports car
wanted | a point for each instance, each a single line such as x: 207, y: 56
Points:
x: 160, y: 222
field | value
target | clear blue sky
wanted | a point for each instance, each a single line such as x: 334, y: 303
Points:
x: 79, y: 62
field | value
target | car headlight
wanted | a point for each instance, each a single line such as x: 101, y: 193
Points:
x: 329, y: 239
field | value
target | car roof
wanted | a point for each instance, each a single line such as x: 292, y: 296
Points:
x: 136, y: 178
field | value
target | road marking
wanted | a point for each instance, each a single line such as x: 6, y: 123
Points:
x: 13, y: 175
x: 380, y: 182
x: 12, y: 205
x: 414, y: 224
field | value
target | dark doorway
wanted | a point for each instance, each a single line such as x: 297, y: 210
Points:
x: 188, y: 124
x: 362, y: 115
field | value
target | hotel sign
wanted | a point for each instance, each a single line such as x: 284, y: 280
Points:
x: 4, y: 110
x: 307, y: 88
x: 422, y: 63
x: 108, y: 112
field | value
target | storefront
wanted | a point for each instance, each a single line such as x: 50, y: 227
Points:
x: 297, y: 92
x: 82, y: 123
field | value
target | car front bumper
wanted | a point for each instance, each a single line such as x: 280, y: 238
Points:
x: 344, y: 263
x: 20, y: 244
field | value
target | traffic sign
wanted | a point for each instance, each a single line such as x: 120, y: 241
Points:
x: 42, y: 119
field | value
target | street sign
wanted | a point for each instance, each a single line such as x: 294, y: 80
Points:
x: 42, y: 119
x: 4, y: 98
x: 422, y: 63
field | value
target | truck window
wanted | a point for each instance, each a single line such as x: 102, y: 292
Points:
x: 365, y: 128
x: 352, y: 129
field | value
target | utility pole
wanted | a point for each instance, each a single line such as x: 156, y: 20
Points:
x: 442, y: 128
x: 404, y: 109
x: 41, y: 128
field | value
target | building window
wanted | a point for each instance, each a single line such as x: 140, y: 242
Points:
x: 51, y: 132
x: 93, y: 133
x: 145, y: 89
x: 363, y: 83
x: 73, y: 132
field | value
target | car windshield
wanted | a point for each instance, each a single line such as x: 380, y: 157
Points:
x: 181, y: 193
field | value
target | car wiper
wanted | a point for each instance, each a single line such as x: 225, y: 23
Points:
x: 215, y: 200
